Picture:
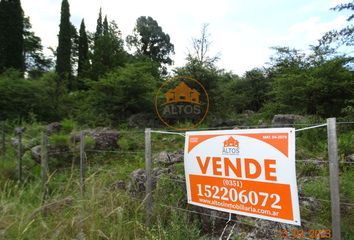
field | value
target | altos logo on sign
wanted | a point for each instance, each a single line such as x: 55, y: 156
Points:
x: 231, y: 147
x: 246, y: 172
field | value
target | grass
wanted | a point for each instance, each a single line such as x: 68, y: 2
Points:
x: 106, y: 212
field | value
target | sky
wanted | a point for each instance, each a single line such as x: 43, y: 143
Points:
x: 241, y: 31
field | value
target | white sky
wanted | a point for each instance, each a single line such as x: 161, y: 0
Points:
x: 241, y: 31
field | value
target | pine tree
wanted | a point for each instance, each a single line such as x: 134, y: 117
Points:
x: 83, y: 51
x: 63, y: 67
x: 11, y: 37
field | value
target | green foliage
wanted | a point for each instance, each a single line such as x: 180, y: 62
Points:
x: 343, y: 36
x: 68, y: 125
x: 59, y: 140
x: 108, y: 52
x: 35, y: 62
x: 125, y: 91
x: 346, y: 143
x: 20, y: 97
x: 89, y: 142
x: 150, y: 41
x: 83, y: 62
x: 318, y: 84
x: 63, y: 65
x: 11, y: 37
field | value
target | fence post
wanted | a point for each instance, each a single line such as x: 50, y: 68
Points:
x: 3, y: 140
x: 19, y: 152
x: 148, y: 184
x: 44, y: 164
x: 334, y: 176
x: 82, y: 163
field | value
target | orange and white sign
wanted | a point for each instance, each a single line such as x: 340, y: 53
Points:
x: 248, y: 172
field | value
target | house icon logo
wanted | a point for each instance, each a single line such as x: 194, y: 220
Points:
x: 180, y: 102
x: 231, y: 146
x: 182, y: 93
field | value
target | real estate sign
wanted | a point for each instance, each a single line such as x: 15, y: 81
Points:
x: 246, y: 172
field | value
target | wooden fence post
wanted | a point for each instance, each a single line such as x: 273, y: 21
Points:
x: 148, y: 184
x: 3, y: 139
x: 44, y: 164
x: 334, y: 177
x: 19, y: 152
x: 82, y: 162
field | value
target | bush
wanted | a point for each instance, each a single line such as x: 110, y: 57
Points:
x: 68, y: 125
x: 59, y: 140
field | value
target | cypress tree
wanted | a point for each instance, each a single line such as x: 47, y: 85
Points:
x: 83, y: 51
x: 105, y: 26
x: 99, y: 27
x: 11, y: 37
x: 63, y: 67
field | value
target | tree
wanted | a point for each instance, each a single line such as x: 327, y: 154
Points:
x: 99, y: 27
x: 126, y: 90
x: 344, y: 36
x: 108, y: 52
x: 150, y: 41
x: 307, y: 84
x: 11, y: 37
x: 83, y: 63
x: 201, y: 48
x: 35, y: 61
x: 63, y: 66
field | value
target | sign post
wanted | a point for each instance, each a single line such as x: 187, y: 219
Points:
x: 245, y: 172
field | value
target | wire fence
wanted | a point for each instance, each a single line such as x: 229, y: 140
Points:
x: 82, y: 153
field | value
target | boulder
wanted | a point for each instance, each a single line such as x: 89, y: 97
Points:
x: 136, y: 185
x: 120, y: 184
x: 53, y: 128
x: 36, y: 153
x: 19, y: 130
x: 350, y: 158
x: 218, y: 122
x: 248, y: 112
x: 209, y: 217
x: 142, y: 120
x: 167, y: 158
x: 105, y: 139
x: 286, y: 119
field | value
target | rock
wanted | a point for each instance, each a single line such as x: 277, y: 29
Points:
x: 136, y: 185
x: 209, y: 217
x: 15, y: 142
x: 36, y: 153
x: 75, y: 137
x: 19, y: 130
x: 105, y: 139
x: 142, y: 120
x: 286, y: 119
x: 218, y: 122
x: 350, y: 158
x: 248, y: 112
x: 53, y: 128
x: 120, y: 184
x: 166, y: 158
x: 265, y: 230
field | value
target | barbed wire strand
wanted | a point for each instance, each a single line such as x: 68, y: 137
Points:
x: 307, y: 128
x: 205, y: 214
x: 112, y: 151
x: 167, y: 132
